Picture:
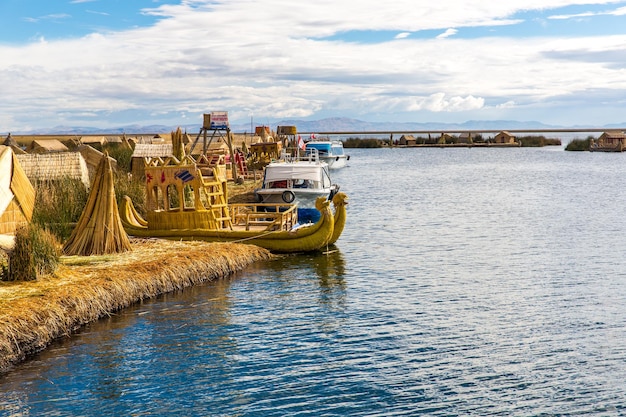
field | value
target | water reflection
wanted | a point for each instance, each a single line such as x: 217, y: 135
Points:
x: 330, y: 270
x: 425, y: 309
x: 328, y: 267
x: 148, y: 350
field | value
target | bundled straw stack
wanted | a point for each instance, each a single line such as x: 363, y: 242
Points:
x: 178, y: 147
x: 17, y: 195
x: 99, y: 230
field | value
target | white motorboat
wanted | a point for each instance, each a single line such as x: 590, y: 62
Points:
x: 297, y: 180
x: 330, y: 151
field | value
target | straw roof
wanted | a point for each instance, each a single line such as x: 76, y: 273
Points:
x: 613, y: 135
x: 17, y: 195
x: 93, y: 140
x: 99, y: 230
x: 92, y: 158
x: 55, y: 166
x: 12, y: 143
x: 143, y: 150
x: 114, y: 139
x: 46, y: 145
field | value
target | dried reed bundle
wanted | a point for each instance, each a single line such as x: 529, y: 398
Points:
x: 99, y: 229
x: 84, y: 289
x: 178, y: 147
x: 23, y: 189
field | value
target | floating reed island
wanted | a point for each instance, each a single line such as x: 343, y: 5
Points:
x: 86, y: 288
x: 102, y: 270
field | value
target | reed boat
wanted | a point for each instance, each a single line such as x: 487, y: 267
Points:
x: 340, y: 201
x: 183, y: 203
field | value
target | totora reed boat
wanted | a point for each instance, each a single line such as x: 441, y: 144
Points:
x: 185, y: 202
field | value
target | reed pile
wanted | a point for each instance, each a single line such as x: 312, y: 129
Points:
x: 99, y: 230
x: 83, y: 289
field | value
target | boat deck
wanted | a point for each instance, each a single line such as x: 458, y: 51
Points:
x: 263, y: 217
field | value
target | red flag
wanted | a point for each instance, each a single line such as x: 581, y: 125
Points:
x: 301, y: 143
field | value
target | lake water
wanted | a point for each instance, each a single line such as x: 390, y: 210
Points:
x: 486, y: 282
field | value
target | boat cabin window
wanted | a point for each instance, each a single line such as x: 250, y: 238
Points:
x: 337, y: 150
x: 303, y: 184
x: 173, y: 199
x: 322, y: 149
x: 278, y: 184
x: 189, y: 197
x: 296, y: 183
x: 157, y: 200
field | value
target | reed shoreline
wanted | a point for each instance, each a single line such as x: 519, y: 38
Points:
x: 86, y: 288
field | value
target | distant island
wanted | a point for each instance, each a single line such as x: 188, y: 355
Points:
x: 333, y: 124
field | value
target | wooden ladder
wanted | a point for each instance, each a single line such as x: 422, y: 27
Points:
x: 218, y: 207
x: 242, y: 165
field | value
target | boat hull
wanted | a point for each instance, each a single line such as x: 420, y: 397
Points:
x: 312, y: 237
x: 303, y: 198
x: 335, y: 162
x: 330, y: 152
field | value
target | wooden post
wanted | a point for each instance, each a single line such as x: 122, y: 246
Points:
x: 233, y: 164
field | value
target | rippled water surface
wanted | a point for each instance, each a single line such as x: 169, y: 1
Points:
x: 467, y: 282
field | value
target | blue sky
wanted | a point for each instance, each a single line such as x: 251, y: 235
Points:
x: 110, y: 63
x: 26, y: 21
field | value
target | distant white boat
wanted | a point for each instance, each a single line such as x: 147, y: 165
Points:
x: 297, y: 180
x: 330, y: 151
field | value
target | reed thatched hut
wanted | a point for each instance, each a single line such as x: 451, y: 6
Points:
x: 504, y: 137
x: 55, y: 166
x: 144, y: 152
x: 92, y: 158
x: 407, y: 140
x: 465, y: 137
x: 17, y: 195
x: 12, y: 143
x: 46, y: 146
x: 614, y: 140
x: 114, y: 140
x: 94, y: 141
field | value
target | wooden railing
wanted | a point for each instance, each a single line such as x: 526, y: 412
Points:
x: 270, y: 216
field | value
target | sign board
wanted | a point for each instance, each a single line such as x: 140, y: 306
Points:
x: 219, y: 120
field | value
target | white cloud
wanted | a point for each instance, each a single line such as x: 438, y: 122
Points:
x: 617, y: 12
x: 248, y: 56
x: 439, y: 103
x: 98, y: 13
x: 507, y: 105
x: 447, y: 33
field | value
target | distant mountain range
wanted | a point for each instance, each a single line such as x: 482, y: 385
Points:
x: 333, y: 124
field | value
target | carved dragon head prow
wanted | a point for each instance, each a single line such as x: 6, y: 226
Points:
x: 321, y: 203
x: 340, y: 199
